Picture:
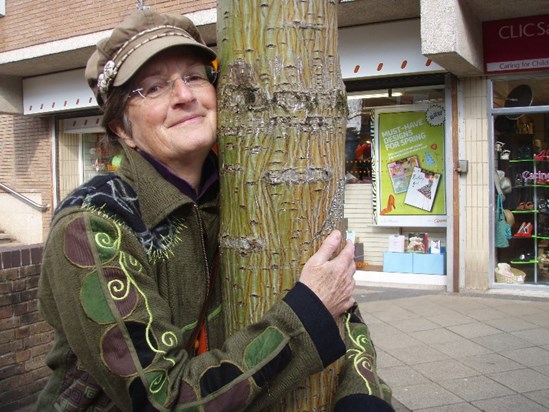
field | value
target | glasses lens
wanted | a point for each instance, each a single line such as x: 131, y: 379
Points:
x: 154, y: 87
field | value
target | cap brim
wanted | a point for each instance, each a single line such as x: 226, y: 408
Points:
x: 139, y: 56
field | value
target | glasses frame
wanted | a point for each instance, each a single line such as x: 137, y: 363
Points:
x: 211, y: 75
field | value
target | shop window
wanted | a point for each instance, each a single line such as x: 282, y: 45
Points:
x: 96, y: 157
x: 521, y: 145
x: 362, y: 106
x: 358, y: 143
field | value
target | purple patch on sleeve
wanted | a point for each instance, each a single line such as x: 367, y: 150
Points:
x: 233, y: 400
x: 186, y: 394
x: 77, y: 247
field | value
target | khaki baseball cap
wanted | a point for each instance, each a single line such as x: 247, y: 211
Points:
x: 138, y: 38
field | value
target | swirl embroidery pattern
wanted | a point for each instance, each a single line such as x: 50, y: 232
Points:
x: 362, y: 354
x: 110, y: 292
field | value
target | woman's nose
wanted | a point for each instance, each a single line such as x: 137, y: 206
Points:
x: 181, y: 90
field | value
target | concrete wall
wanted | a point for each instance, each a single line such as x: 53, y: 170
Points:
x: 20, y: 219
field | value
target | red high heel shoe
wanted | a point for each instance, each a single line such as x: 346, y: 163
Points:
x: 542, y: 155
x: 390, y: 205
x: 528, y: 230
x: 521, y: 229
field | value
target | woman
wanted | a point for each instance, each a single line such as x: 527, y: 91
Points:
x: 129, y: 278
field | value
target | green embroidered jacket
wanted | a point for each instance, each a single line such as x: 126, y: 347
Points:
x: 126, y: 270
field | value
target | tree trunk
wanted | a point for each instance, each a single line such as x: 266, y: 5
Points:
x: 282, y: 115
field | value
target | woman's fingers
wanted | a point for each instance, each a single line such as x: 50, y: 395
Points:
x: 331, y: 279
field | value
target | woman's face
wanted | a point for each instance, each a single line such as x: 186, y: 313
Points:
x: 179, y: 127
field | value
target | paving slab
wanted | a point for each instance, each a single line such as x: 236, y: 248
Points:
x: 541, y: 397
x: 474, y: 330
x: 475, y: 388
x: 445, y: 369
x: 538, y: 336
x: 417, y: 354
x: 543, y: 369
x: 388, y: 361
x: 402, y: 376
x: 534, y: 356
x: 415, y: 325
x: 457, y: 407
x: 502, y: 342
x: 510, y: 324
x: 490, y: 363
x: 522, y: 380
x: 513, y: 403
x: 438, y: 335
x: 426, y: 395
x: 450, y: 318
x: 461, y: 348
x: 461, y: 352
x: 486, y: 313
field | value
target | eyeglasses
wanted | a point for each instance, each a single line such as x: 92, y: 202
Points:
x: 155, y: 87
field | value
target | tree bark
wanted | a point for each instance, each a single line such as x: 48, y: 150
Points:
x: 282, y: 116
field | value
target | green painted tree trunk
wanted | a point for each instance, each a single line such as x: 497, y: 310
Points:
x: 282, y: 116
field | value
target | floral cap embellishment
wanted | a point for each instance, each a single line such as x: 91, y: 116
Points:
x: 105, y: 79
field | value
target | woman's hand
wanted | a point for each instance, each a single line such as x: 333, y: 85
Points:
x: 332, y: 279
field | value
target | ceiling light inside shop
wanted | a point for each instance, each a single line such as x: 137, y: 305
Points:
x: 372, y: 95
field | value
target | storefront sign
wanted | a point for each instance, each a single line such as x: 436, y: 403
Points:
x: 57, y: 92
x: 409, y: 171
x: 385, y: 49
x: 516, y: 45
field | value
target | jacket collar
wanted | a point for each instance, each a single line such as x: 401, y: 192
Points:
x: 158, y: 196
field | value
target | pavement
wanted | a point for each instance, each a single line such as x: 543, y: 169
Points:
x: 458, y: 352
x: 462, y: 351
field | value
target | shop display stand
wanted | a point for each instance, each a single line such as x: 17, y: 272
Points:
x: 529, y: 203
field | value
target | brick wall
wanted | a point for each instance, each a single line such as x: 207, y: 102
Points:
x: 25, y: 338
x: 26, y: 159
x: 46, y: 21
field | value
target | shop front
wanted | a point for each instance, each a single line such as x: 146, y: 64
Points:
x: 396, y: 149
x: 78, y: 143
x: 517, y: 60
x: 396, y: 154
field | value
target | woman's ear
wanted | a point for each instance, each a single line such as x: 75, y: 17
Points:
x: 117, y: 128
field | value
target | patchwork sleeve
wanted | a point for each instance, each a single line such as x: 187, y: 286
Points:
x: 360, y: 387
x: 100, y: 292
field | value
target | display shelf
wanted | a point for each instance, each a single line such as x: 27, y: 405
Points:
x: 526, y: 190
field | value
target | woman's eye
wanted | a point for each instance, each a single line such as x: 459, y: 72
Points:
x: 196, y: 78
x: 155, y: 88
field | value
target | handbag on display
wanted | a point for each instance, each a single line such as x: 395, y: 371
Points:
x: 503, y: 229
x: 509, y: 217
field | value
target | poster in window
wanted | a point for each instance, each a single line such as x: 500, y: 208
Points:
x: 409, y: 166
x: 401, y: 171
x: 422, y: 189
